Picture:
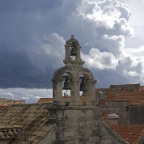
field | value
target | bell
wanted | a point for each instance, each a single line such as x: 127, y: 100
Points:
x: 66, y: 83
x: 73, y: 51
x: 83, y: 87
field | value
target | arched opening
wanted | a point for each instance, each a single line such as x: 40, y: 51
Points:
x: 83, y: 84
x: 73, y: 50
x: 66, y: 85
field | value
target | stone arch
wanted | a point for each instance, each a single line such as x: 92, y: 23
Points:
x: 90, y: 93
x: 72, y: 39
x: 58, y: 74
x: 87, y: 73
x: 57, y: 82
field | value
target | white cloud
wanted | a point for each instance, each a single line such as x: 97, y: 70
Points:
x: 50, y: 49
x: 102, y: 14
x: 104, y: 27
x: 137, y: 57
x: 8, y: 95
x: 113, y: 44
x: 100, y: 60
x: 29, y: 95
x: 136, y: 52
x: 130, y: 66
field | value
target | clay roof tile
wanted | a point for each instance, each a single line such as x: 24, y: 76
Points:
x: 131, y: 133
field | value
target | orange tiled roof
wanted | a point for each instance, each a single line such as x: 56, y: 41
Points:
x: 102, y: 90
x: 2, y: 108
x: 141, y: 88
x: 133, y: 97
x: 45, y: 100
x: 105, y: 113
x: 131, y: 133
x: 102, y: 102
x: 9, y: 102
x: 125, y: 87
x: 2, y: 100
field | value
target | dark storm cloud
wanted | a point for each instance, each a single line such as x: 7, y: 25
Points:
x: 16, y: 70
x: 28, y: 6
x: 22, y: 29
x: 33, y: 34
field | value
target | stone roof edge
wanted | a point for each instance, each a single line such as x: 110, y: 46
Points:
x: 10, y: 126
x: 50, y: 128
x: 114, y: 133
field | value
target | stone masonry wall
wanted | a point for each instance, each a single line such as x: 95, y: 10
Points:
x: 80, y: 125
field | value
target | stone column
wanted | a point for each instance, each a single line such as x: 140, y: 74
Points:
x: 91, y: 92
x: 78, y: 53
x: 67, y: 54
x: 75, y: 96
x: 57, y: 91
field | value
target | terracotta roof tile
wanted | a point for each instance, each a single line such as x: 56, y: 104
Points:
x: 45, y: 100
x: 131, y: 133
x: 130, y: 96
x: 141, y: 88
x: 9, y: 102
x: 102, y: 102
x: 125, y: 87
x: 2, y: 108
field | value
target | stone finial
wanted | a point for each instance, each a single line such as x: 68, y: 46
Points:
x: 72, y: 36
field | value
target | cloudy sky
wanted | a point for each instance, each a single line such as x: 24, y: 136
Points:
x: 33, y: 34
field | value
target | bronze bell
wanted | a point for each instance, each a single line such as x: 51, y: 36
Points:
x: 73, y: 50
x: 83, y: 86
x: 66, y: 83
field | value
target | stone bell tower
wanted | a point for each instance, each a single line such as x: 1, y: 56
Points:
x: 73, y: 76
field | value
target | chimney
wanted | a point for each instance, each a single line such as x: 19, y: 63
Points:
x: 113, y: 119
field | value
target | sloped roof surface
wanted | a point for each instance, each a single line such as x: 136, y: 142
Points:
x: 32, y: 118
x: 130, y: 132
x: 133, y: 97
x: 12, y: 102
x: 2, y: 108
x: 45, y: 100
x: 141, y: 88
x: 132, y: 93
x: 8, y: 102
x: 126, y: 87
